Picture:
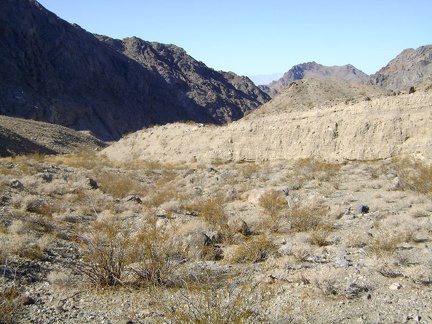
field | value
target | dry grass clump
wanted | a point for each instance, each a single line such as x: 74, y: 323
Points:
x: 10, y: 305
x: 385, y: 241
x: 253, y: 249
x: 86, y: 159
x: 119, y: 185
x: 311, y: 168
x: 414, y: 175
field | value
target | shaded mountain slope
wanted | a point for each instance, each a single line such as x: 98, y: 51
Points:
x: 22, y: 136
x: 53, y: 71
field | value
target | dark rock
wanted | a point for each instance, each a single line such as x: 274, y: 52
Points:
x: 16, y: 184
x: 362, y: 209
x: 243, y: 228
x: 93, y: 184
x: 47, y: 177
x: 27, y: 300
x: 136, y: 199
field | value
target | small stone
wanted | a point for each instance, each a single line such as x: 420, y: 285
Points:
x: 16, y: 184
x: 395, y: 286
x: 47, y: 177
x: 93, y: 184
x: 27, y: 300
x: 362, y: 209
x: 136, y: 199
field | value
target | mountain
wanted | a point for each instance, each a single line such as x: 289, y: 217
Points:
x: 262, y: 79
x: 317, y: 71
x: 56, y: 72
x: 408, y: 69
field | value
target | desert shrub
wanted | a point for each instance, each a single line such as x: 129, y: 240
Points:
x: 154, y: 256
x: 301, y: 251
x: 414, y: 175
x: 212, y: 211
x: 215, y: 299
x: 113, y: 253
x: 319, y: 236
x: 335, y: 282
x: 273, y: 202
x: 249, y: 170
x: 305, y: 218
x: 105, y: 247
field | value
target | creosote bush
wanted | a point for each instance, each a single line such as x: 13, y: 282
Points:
x: 305, y: 218
x: 273, y: 202
x: 213, y: 212
x: 106, y: 249
x: 214, y: 298
x: 116, y: 254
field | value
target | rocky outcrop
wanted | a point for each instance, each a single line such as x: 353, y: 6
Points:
x: 53, y: 71
x: 408, y: 69
x: 317, y: 71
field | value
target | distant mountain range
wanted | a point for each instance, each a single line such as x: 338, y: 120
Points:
x: 316, y: 71
x: 56, y: 72
x: 263, y: 79
x: 408, y: 69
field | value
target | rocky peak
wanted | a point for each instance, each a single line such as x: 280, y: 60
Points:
x: 409, y: 68
x: 317, y: 71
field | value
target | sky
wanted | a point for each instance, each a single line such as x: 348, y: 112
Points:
x: 261, y: 37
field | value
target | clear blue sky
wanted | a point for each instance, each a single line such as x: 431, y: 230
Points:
x: 251, y: 37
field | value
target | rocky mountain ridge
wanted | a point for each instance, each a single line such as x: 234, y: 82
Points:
x: 53, y: 71
x: 409, y: 68
x: 317, y: 71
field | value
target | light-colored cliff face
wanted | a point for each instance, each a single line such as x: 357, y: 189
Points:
x: 369, y: 129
